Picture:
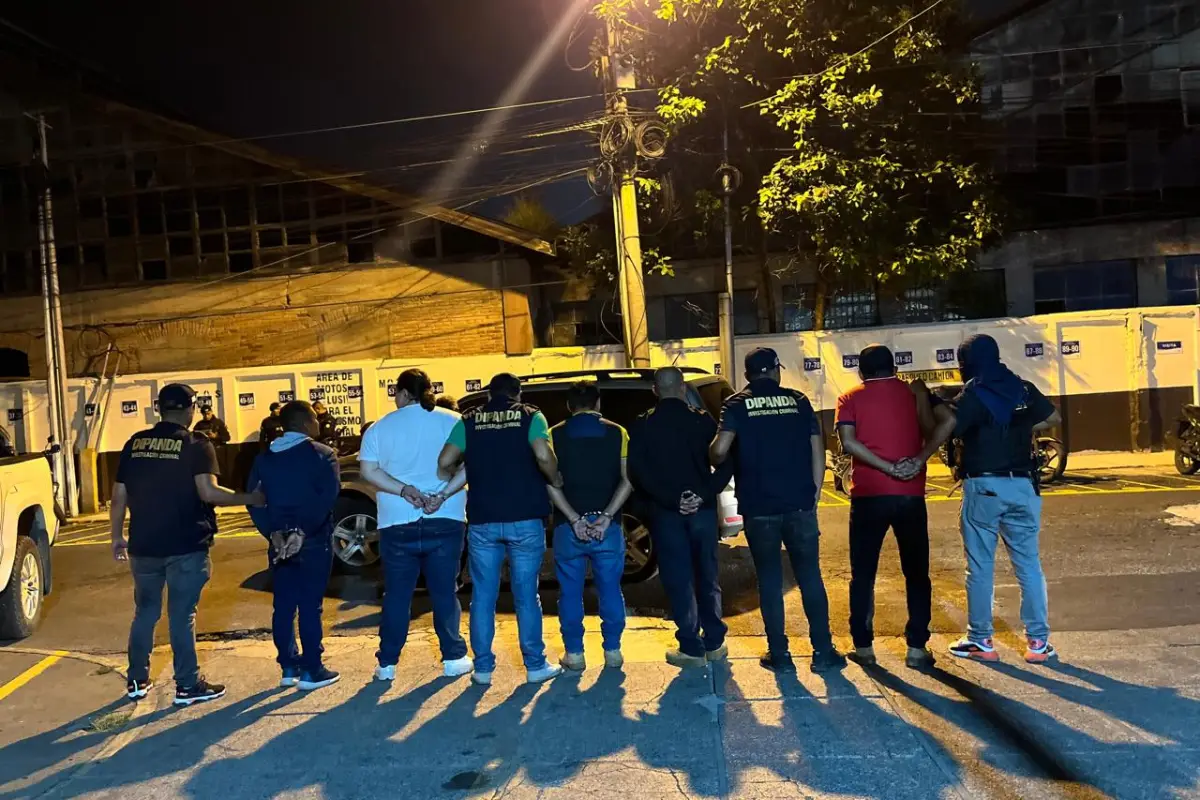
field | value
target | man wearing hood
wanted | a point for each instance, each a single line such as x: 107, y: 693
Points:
x: 300, y: 479
x: 997, y: 415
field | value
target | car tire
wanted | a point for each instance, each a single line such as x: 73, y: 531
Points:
x: 355, y: 535
x: 22, y: 599
x: 641, y: 558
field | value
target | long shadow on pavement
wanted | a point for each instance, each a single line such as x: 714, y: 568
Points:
x: 1086, y: 754
x: 845, y: 743
x: 176, y: 748
x: 57, y: 747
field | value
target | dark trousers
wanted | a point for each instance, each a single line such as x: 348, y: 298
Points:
x: 687, y: 565
x: 870, y: 518
x: 183, y: 577
x: 798, y: 532
x: 431, y: 547
x: 300, y: 583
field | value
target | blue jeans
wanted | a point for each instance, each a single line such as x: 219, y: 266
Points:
x: 798, y: 532
x: 571, y: 559
x: 1007, y: 508
x: 524, y: 544
x: 432, y: 547
x: 299, y: 588
x: 687, y: 565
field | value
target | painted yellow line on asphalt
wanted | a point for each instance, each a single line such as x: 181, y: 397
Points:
x: 31, y: 673
x: 841, y: 501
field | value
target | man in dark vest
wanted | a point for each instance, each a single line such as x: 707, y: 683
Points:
x: 591, y: 454
x: 505, y: 448
x: 780, y: 468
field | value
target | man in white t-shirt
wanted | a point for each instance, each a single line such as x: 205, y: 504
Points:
x: 421, y: 521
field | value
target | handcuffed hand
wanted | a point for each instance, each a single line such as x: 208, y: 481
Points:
x: 433, y: 502
x: 291, y: 545
x: 582, y: 529
x: 599, y: 526
x: 907, y: 468
x: 120, y: 549
x: 414, y: 496
x: 689, y: 503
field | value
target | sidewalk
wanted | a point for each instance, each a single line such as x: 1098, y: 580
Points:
x: 1106, y: 721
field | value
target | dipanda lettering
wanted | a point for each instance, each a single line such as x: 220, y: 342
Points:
x: 772, y: 405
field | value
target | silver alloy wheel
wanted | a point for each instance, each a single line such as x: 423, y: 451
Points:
x: 638, y: 546
x: 31, y: 585
x: 356, y: 540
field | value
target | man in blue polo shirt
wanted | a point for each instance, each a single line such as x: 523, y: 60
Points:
x: 505, y: 446
x: 780, y: 467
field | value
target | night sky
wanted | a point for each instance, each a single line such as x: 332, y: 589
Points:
x: 255, y: 67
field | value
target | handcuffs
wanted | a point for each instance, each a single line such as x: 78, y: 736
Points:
x: 286, y: 543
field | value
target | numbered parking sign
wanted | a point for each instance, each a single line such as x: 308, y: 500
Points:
x: 14, y: 415
x: 716, y: 369
x: 89, y: 409
x: 474, y: 385
x: 391, y: 390
x: 904, y: 358
x: 1035, y: 349
x: 316, y: 395
x: 812, y: 364
x: 246, y: 400
x: 946, y: 355
x: 438, y: 388
x: 354, y: 392
x: 204, y: 401
x: 287, y: 397
x: 1070, y: 349
x: 129, y: 408
x: 1169, y: 347
x: 849, y: 362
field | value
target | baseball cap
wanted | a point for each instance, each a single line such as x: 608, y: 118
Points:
x: 176, y: 397
x: 760, y: 360
x: 506, y: 384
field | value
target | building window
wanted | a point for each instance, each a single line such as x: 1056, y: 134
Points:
x: 798, y: 305
x: 745, y: 312
x: 16, y: 273
x: 270, y: 237
x: 852, y: 310
x: 241, y: 262
x: 1183, y: 280
x: 155, y: 270
x: 690, y: 316
x: 95, y: 263
x: 1085, y: 287
x: 182, y: 245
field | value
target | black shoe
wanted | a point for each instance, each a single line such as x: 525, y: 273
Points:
x: 202, y: 692
x: 136, y: 690
x: 318, y: 679
x: 778, y: 662
x: 827, y: 661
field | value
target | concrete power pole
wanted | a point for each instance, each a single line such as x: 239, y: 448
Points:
x: 56, y: 362
x: 619, y: 77
x: 728, y: 187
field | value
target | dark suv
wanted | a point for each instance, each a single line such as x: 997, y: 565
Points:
x: 625, y: 394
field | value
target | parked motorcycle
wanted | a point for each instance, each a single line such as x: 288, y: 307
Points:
x: 1187, y: 448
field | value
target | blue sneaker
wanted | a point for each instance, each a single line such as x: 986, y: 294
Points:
x: 291, y: 676
x: 317, y: 680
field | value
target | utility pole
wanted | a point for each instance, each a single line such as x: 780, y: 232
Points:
x: 56, y: 362
x: 726, y: 316
x: 619, y: 77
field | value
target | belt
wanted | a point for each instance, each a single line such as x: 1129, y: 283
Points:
x: 1013, y: 473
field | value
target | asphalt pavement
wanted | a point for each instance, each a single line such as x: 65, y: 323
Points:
x: 1119, y: 716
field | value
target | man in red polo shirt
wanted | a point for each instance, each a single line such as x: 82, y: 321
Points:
x: 880, y: 429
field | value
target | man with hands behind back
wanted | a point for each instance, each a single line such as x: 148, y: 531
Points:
x: 421, y: 521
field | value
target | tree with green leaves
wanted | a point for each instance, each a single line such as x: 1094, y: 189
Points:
x: 853, y: 122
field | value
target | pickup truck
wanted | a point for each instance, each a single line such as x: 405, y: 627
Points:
x: 28, y: 526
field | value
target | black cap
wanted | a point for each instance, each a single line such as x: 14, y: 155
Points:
x: 760, y: 360
x: 176, y: 397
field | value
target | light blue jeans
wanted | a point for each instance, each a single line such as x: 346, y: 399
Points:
x: 571, y: 559
x: 524, y: 544
x: 1007, y: 508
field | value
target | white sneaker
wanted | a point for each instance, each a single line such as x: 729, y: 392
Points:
x: 458, y: 666
x: 548, y: 672
x: 383, y: 673
x: 482, y: 678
